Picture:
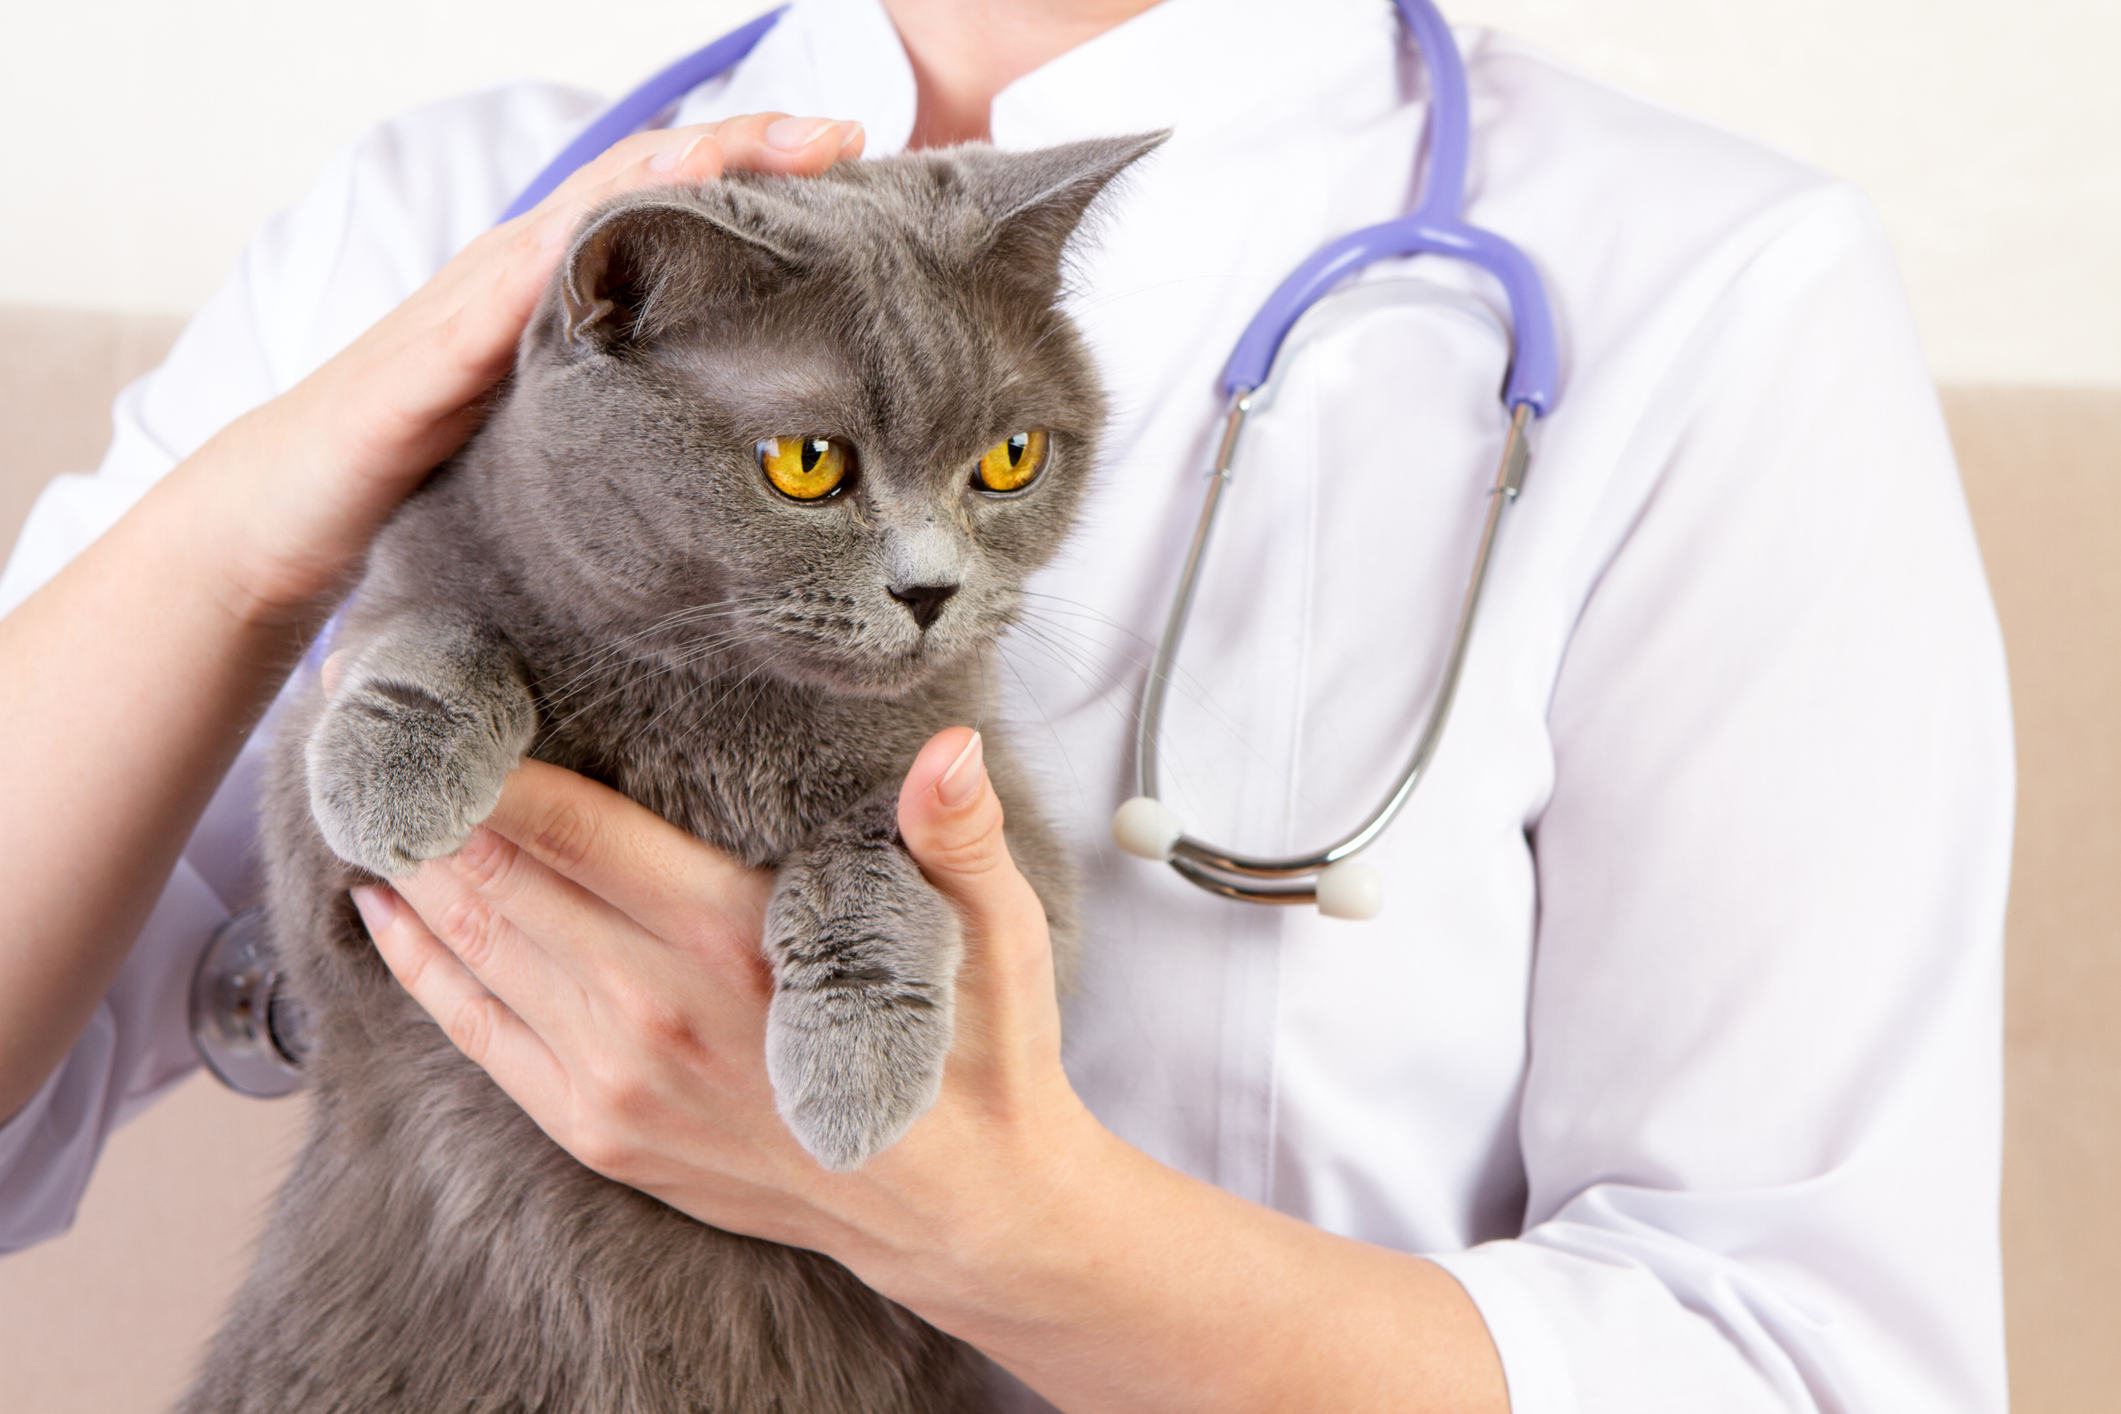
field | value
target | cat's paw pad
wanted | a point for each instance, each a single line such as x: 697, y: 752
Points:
x: 398, y: 774
x: 862, y: 1014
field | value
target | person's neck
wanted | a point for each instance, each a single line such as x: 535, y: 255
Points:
x: 966, y: 51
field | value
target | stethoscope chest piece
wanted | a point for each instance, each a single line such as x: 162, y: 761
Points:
x: 243, y: 1024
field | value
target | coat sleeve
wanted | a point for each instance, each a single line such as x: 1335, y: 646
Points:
x: 384, y: 215
x: 1761, y: 1121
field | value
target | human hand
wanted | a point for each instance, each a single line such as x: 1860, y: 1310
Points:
x: 299, y: 486
x: 605, y: 968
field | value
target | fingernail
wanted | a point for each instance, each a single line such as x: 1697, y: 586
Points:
x: 795, y: 134
x: 673, y: 157
x: 961, y: 782
x: 850, y: 134
x: 377, y: 904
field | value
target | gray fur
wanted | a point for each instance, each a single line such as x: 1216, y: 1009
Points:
x: 603, y: 579
x: 863, y: 957
x: 410, y: 753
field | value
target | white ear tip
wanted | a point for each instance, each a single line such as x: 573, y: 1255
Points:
x: 1350, y: 890
x: 1146, y: 827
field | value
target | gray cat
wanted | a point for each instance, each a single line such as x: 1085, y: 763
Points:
x: 775, y: 459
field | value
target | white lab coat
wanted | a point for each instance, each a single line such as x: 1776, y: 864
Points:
x: 1678, y: 1040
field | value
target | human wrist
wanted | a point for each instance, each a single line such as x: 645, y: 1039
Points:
x: 1117, y: 1283
x: 269, y: 535
x: 1007, y: 1224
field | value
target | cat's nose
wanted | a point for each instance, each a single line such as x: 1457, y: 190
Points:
x: 924, y: 601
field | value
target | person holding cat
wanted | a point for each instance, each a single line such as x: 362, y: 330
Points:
x: 1671, y: 1076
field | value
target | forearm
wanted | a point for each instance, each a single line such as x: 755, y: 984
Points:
x: 1111, y: 1282
x: 133, y: 677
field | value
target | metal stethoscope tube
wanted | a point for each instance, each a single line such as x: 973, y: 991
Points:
x: 1147, y: 827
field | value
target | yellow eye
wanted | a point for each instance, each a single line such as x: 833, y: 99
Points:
x: 804, y: 468
x: 1011, y: 465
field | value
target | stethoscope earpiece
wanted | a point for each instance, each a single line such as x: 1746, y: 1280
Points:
x: 1350, y: 890
x: 1147, y: 829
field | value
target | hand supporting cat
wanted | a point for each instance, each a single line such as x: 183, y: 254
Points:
x: 423, y: 724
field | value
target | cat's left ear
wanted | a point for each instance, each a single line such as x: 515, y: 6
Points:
x: 633, y: 268
x: 1037, y: 199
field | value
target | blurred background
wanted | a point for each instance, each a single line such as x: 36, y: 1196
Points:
x: 141, y: 143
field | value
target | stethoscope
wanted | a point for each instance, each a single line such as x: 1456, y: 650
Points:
x: 1340, y: 886
x: 251, y: 1039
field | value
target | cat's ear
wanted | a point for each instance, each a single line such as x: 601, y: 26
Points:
x: 1037, y: 199
x: 632, y: 269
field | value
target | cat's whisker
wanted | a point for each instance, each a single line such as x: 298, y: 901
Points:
x: 1139, y: 653
x: 696, y: 613
x: 677, y: 618
x: 1087, y: 667
x: 580, y: 675
x: 684, y: 657
x: 663, y: 665
x: 1060, y: 747
x: 1141, y: 657
x: 1090, y: 660
x: 586, y: 676
x: 732, y: 690
x: 1190, y: 690
x: 613, y: 647
x: 979, y: 711
x: 1088, y: 611
x: 1064, y: 659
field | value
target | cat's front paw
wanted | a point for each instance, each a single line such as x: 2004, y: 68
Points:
x: 400, y: 772
x: 865, y: 956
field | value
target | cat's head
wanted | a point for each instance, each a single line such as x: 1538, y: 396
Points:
x: 827, y: 425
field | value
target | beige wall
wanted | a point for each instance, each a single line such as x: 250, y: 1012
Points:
x: 146, y: 139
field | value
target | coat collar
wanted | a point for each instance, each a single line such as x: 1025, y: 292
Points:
x: 1223, y: 66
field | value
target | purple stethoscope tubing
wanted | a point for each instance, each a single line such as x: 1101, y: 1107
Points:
x: 634, y: 112
x: 1435, y: 227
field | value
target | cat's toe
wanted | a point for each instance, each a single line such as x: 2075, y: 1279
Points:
x: 853, y: 1066
x: 397, y: 777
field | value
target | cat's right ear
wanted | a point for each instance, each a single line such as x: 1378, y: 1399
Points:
x: 641, y: 269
